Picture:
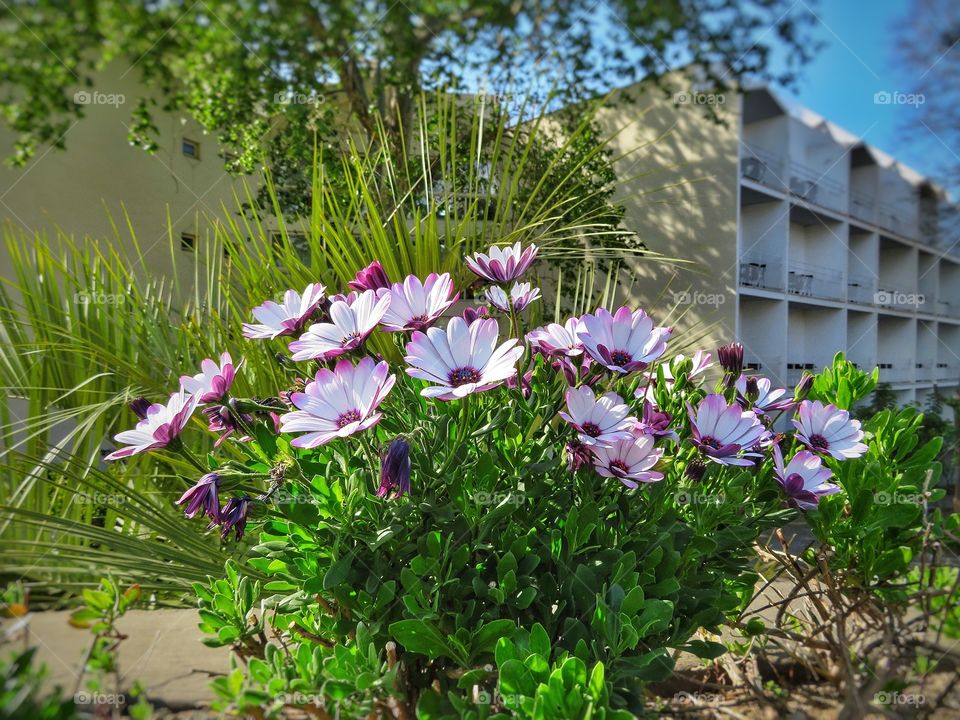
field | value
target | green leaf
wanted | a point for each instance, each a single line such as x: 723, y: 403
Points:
x: 338, y: 572
x: 422, y: 637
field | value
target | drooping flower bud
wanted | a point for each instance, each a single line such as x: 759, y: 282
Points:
x: 203, y: 497
x: 395, y: 469
x: 470, y: 314
x: 233, y: 516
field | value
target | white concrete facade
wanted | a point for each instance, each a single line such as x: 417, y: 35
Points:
x: 840, y: 247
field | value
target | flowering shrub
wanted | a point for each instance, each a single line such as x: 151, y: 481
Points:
x: 512, y: 522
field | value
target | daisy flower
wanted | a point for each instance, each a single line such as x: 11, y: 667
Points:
x: 287, y: 318
x: 828, y: 430
x: 721, y: 432
x: 338, y: 403
x: 556, y: 339
x: 213, y: 382
x: 349, y: 326
x: 521, y: 295
x: 416, y: 305
x: 462, y: 359
x: 629, y: 460
x: 624, y: 341
x: 161, y: 426
x: 804, y: 479
x: 598, y: 421
x: 503, y: 265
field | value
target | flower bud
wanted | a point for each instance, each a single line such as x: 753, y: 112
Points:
x: 395, y: 469
x: 695, y: 470
x: 140, y: 406
x: 803, y: 387
x: 731, y: 358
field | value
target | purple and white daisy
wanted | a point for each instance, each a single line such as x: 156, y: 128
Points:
x: 629, y: 460
x: 624, y: 341
x: 372, y: 277
x: 804, y: 479
x: 765, y: 399
x: 503, y: 265
x: 462, y: 359
x: 161, y: 426
x: 721, y: 432
x: 521, y: 295
x: 416, y: 305
x: 338, y: 403
x: 349, y: 326
x: 213, y: 382
x: 578, y: 455
x: 203, y: 498
x: 828, y: 430
x: 598, y: 420
x: 556, y: 339
x: 287, y: 318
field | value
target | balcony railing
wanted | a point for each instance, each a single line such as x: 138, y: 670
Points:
x: 763, y: 166
x: 815, y: 281
x: 942, y: 307
x: 946, y: 371
x: 861, y: 289
x: 926, y: 371
x: 759, y: 272
x: 891, y: 218
x: 814, y: 187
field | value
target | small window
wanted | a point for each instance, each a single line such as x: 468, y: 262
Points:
x: 188, y: 242
x: 191, y: 149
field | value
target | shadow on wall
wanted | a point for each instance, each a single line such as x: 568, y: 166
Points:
x: 679, y: 185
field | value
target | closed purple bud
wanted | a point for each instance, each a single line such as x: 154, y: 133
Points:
x: 203, y: 497
x: 395, y: 469
x: 753, y: 390
x: 140, y: 407
x: 372, y: 277
x: 803, y: 387
x: 471, y: 314
x: 731, y: 358
x: 233, y: 516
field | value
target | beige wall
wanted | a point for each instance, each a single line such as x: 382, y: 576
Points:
x: 679, y: 184
x: 99, y: 173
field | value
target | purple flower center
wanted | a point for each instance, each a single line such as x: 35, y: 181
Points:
x: 464, y: 375
x: 620, y: 358
x: 711, y: 442
x: 819, y: 442
x: 350, y: 416
x: 420, y: 319
x: 619, y: 467
x: 349, y: 338
x: 591, y: 429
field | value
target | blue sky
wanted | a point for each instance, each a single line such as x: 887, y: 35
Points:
x: 857, y: 61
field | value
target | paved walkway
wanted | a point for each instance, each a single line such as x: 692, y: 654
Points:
x: 163, y: 651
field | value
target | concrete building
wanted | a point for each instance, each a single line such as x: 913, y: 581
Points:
x: 804, y: 240
x: 85, y: 189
